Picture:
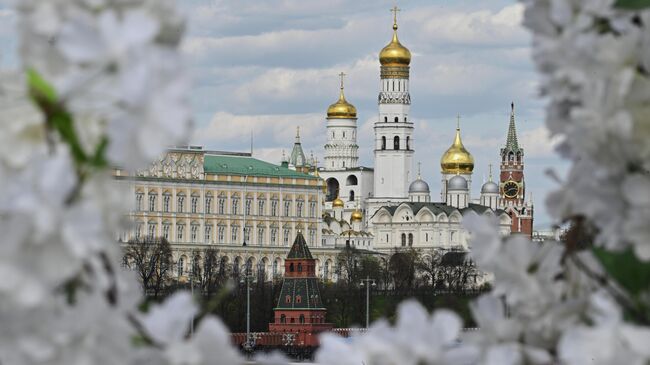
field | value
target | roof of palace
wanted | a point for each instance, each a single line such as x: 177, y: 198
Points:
x: 299, y: 250
x: 442, y: 208
x: 248, y: 166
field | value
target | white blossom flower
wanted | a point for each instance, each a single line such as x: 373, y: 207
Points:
x: 608, y: 340
x: 417, y: 338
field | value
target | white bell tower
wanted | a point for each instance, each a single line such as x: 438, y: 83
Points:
x: 393, y: 131
x: 341, y: 150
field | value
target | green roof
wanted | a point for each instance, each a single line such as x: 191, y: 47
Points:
x: 241, y: 165
x: 299, y: 250
x: 305, y: 288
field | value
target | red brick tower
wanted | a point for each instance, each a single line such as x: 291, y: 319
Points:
x: 512, y: 186
x: 300, y: 310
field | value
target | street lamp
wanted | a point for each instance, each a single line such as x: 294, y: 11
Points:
x: 250, y: 342
x: 367, y: 282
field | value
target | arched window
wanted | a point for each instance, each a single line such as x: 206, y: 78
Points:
x: 518, y: 156
x: 396, y: 143
x: 351, y: 195
x: 181, y: 266
x: 283, y: 318
x: 385, y: 119
x: 299, y: 267
x: 152, y: 201
x: 410, y: 239
x: 298, y: 299
x: 326, y: 270
x: 180, y: 202
x: 194, y: 203
x: 302, y: 318
x: 383, y: 142
x: 404, y: 119
x: 511, y: 157
x: 291, y: 267
x: 403, y: 239
x: 351, y: 180
x: 396, y: 119
x: 287, y: 298
x: 166, y: 199
x: 408, y: 143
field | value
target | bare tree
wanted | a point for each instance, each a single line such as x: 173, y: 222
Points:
x: 403, y: 266
x: 450, y: 271
x: 152, y: 260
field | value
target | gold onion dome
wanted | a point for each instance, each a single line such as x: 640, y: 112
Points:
x: 457, y: 160
x: 395, y: 54
x: 338, y: 203
x: 356, y: 216
x: 341, y: 109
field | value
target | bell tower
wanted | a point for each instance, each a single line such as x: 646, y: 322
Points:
x: 393, y: 130
x: 512, y: 185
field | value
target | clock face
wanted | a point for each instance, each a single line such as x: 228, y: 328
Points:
x: 510, y: 189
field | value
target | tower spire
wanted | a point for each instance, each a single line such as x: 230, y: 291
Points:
x: 490, y: 172
x: 512, y: 143
x: 419, y: 175
x: 298, y: 134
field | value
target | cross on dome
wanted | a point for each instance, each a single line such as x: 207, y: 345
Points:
x: 394, y: 10
x: 342, y: 75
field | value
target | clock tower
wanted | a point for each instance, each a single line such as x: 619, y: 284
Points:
x: 512, y: 185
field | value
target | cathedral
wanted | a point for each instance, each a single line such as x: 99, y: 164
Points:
x: 389, y: 205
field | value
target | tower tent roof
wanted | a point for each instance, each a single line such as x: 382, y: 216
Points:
x: 297, y: 155
x: 299, y: 250
x: 512, y: 144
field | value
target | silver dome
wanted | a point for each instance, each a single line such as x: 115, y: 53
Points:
x: 490, y: 187
x: 457, y: 183
x: 419, y: 186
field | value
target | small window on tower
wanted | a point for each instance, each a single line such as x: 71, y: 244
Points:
x: 298, y: 299
x: 343, y: 134
x: 287, y: 299
x: 396, y: 119
x: 385, y: 119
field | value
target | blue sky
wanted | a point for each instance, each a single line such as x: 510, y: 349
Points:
x: 269, y: 66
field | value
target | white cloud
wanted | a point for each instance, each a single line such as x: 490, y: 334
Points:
x: 538, y: 142
x: 275, y: 130
x: 483, y: 27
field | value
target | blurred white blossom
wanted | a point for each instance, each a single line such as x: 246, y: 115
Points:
x: 417, y: 338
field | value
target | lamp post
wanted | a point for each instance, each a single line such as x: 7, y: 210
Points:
x: 249, y: 343
x: 367, y: 282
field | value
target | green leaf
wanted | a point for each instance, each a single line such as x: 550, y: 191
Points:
x: 99, y: 158
x: 632, y: 4
x: 39, y: 88
x: 625, y: 268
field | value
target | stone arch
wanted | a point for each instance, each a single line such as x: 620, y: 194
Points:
x: 351, y: 180
x: 333, y: 187
x: 396, y: 143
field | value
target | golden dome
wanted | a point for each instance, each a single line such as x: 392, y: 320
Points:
x: 395, y: 54
x: 457, y: 160
x: 338, y: 203
x: 341, y: 109
x: 356, y: 216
